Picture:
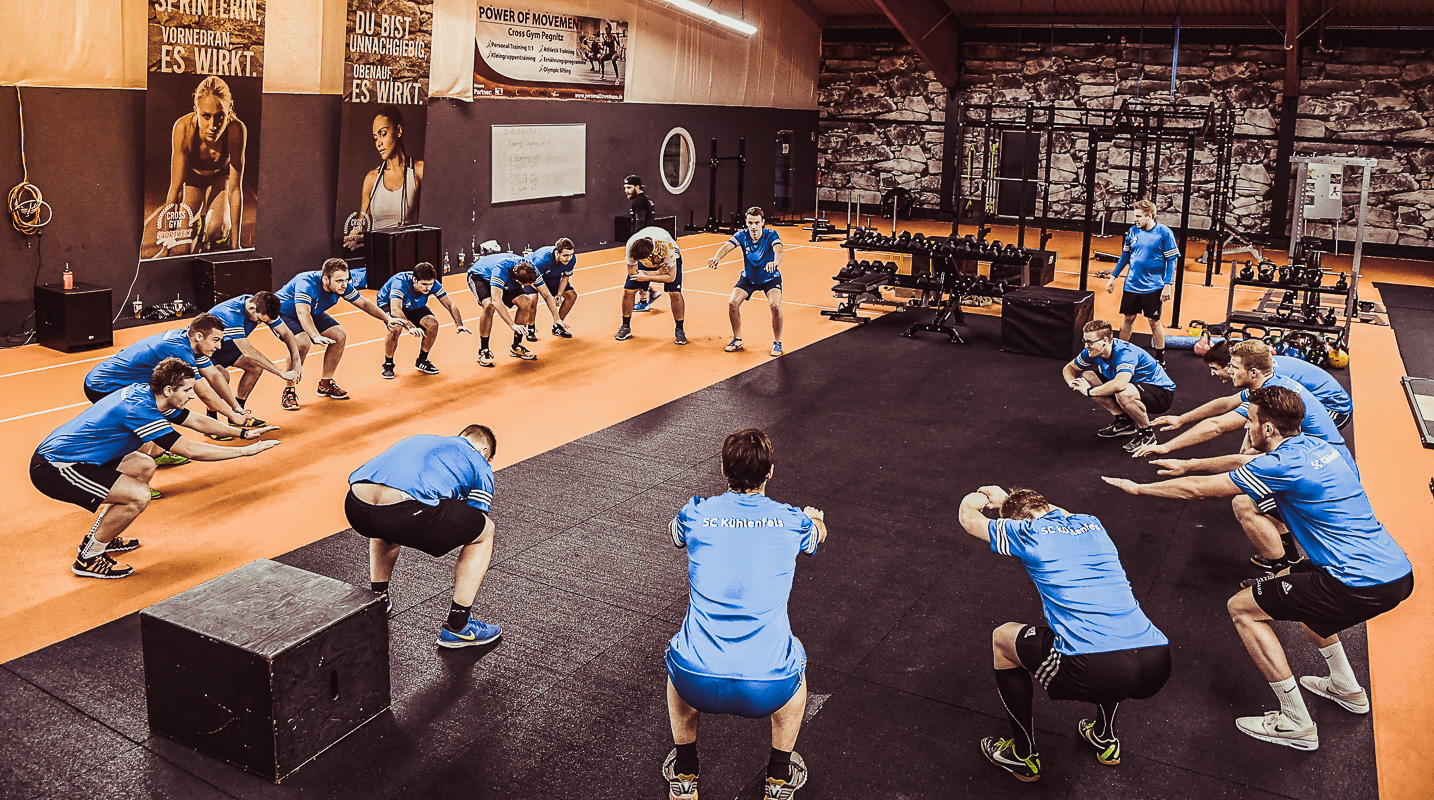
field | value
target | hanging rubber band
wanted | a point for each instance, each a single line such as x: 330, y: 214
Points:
x: 28, y: 210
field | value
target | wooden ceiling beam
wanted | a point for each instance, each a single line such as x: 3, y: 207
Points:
x: 930, y: 26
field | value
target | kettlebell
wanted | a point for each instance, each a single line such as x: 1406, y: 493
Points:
x: 1247, y: 272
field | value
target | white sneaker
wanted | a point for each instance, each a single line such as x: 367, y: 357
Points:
x: 1356, y: 701
x: 1276, y: 728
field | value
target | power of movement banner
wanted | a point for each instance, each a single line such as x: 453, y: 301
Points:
x: 202, y: 113
x: 528, y: 53
x: 387, y: 52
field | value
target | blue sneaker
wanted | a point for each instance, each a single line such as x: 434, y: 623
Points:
x: 640, y: 305
x: 474, y: 633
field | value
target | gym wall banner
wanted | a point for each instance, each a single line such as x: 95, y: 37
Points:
x: 387, y: 52
x: 202, y: 115
x: 528, y: 53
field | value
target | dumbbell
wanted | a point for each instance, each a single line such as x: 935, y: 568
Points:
x: 851, y: 270
x: 903, y: 241
x: 890, y: 267
x: 918, y: 242
x: 1247, y: 272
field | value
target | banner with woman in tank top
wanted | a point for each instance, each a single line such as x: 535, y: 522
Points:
x: 385, y: 113
x: 202, y: 113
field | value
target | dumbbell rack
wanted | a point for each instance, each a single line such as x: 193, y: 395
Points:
x: 1244, y: 320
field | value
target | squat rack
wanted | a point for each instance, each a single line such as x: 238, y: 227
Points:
x: 1145, y: 126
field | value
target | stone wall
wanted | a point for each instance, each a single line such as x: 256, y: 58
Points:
x: 882, y: 124
x: 1359, y: 101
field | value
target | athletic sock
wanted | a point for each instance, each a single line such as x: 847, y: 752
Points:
x: 1105, y: 721
x: 1341, y: 675
x: 212, y: 414
x: 517, y: 339
x: 1159, y: 353
x: 457, y: 617
x: 378, y: 587
x: 388, y: 361
x: 483, y: 343
x: 1292, y: 703
x: 627, y: 322
x: 422, y: 356
x: 686, y: 763
x: 779, y: 765
x: 679, y: 324
x: 1014, y: 686
x: 241, y: 401
x: 92, y: 547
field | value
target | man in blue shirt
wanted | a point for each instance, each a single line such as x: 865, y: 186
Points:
x: 761, y: 259
x: 501, y: 280
x: 406, y: 297
x: 1099, y: 647
x: 194, y: 346
x: 1152, y: 253
x: 304, y: 305
x: 1319, y: 382
x: 555, y: 265
x: 1355, y: 571
x: 735, y: 653
x: 432, y: 493
x: 241, y: 316
x: 1122, y: 379
x: 93, y: 461
x: 1251, y: 367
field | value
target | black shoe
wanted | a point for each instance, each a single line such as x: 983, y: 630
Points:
x: 559, y: 330
x: 532, y: 334
x: 102, y: 567
x: 1120, y: 426
x: 1275, y: 565
x: 387, y: 372
x: 425, y: 366
x: 1142, y: 438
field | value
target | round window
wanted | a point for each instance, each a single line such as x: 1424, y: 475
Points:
x: 678, y: 163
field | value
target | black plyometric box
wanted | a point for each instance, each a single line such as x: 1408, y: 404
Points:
x: 1043, y: 269
x: 78, y: 319
x: 394, y: 250
x: 622, y: 227
x: 219, y: 278
x: 1046, y: 322
x: 266, y: 666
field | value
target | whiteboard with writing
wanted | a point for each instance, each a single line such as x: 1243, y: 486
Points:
x: 536, y: 161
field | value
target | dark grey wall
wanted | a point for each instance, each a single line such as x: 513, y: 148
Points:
x: 623, y: 139
x: 85, y: 146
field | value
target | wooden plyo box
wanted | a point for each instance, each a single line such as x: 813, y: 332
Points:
x: 265, y: 667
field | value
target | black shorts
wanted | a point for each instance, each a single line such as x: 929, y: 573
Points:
x: 552, y: 283
x: 482, y: 290
x: 1147, y: 304
x: 227, y: 355
x: 1111, y: 677
x: 83, y: 485
x: 675, y: 286
x: 750, y: 288
x: 95, y: 396
x: 436, y: 530
x: 1310, y: 595
x: 417, y: 315
x: 1157, y: 399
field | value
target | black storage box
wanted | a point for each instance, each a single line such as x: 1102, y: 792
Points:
x: 78, y: 319
x: 1046, y: 322
x: 393, y: 250
x: 266, y: 666
x: 218, y: 278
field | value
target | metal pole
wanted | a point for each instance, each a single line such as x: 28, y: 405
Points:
x: 1025, y: 182
x: 1094, y: 145
x: 1184, y: 231
x: 1351, y: 302
x: 712, y: 190
x: 1046, y: 190
x: 741, y: 174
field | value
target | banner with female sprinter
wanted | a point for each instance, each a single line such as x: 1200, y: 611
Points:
x: 387, y: 53
x: 202, y: 114
x: 529, y: 53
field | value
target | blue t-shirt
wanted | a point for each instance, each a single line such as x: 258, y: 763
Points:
x: 308, y: 288
x: 432, y: 468
x: 1320, y: 383
x: 401, y: 287
x: 756, y: 255
x: 496, y: 269
x: 237, y: 324
x: 1152, y: 256
x: 741, y: 557
x: 1085, y: 595
x: 1126, y: 357
x: 1316, y: 422
x: 1322, y: 502
x: 111, y: 429
x: 545, y: 261
x: 136, y: 363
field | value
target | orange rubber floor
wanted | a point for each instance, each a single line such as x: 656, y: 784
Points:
x: 215, y: 517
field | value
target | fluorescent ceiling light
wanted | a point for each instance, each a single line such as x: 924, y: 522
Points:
x: 699, y: 10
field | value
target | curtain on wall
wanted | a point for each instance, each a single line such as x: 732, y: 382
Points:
x: 673, y: 58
